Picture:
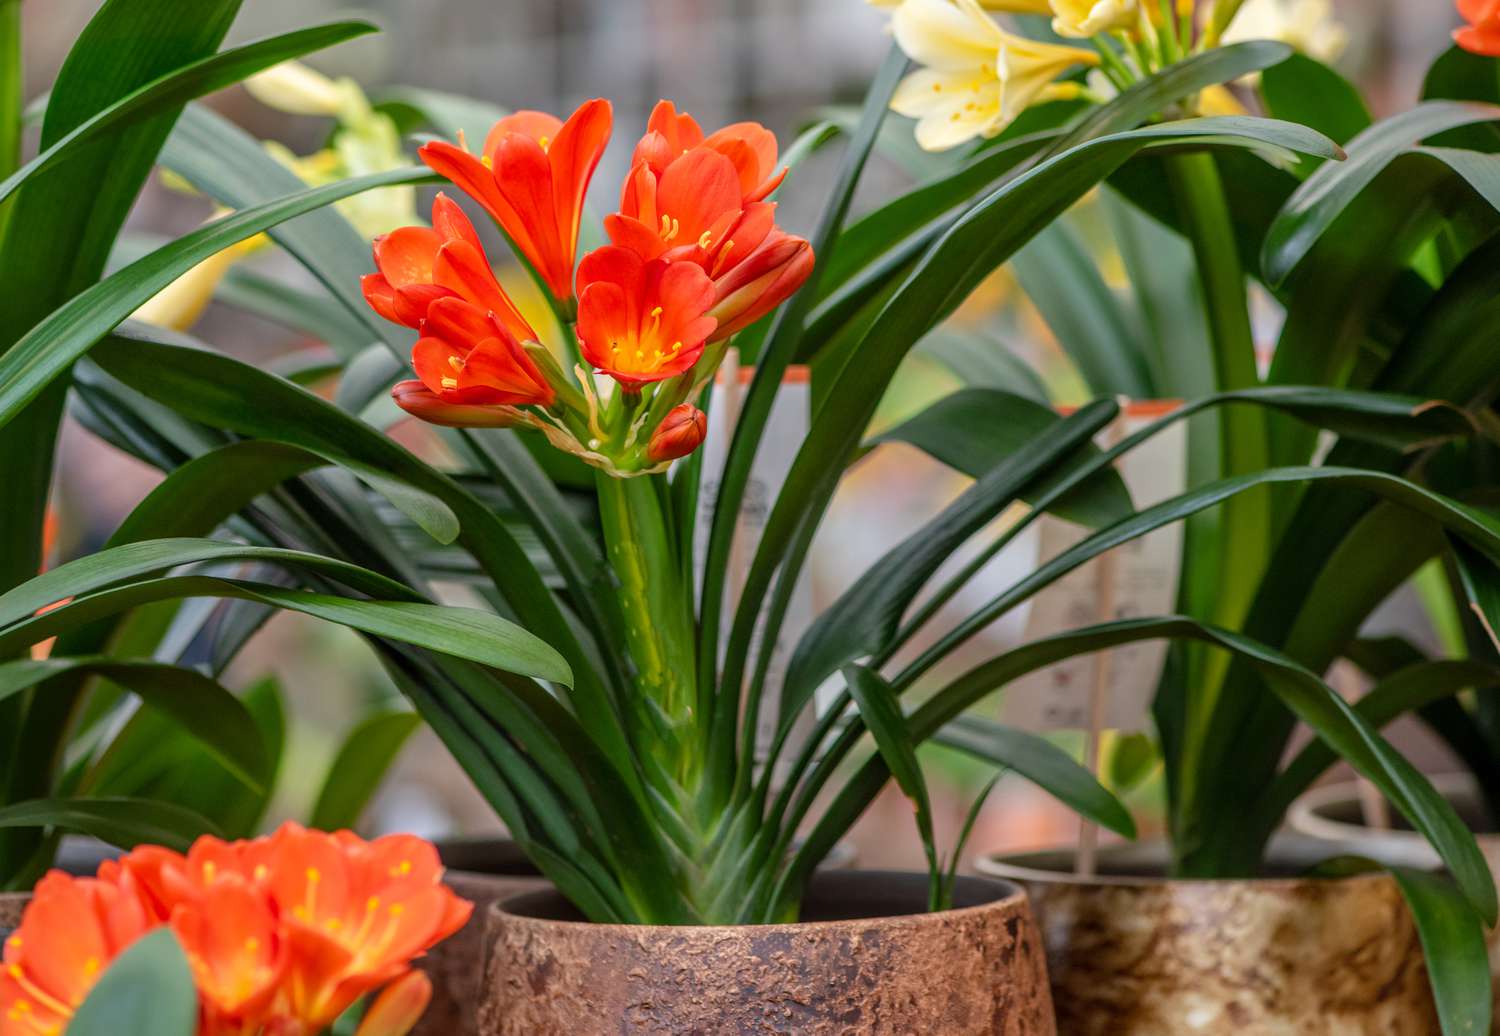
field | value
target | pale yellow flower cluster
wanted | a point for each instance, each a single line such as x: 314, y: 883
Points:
x: 365, y: 142
x: 977, y: 77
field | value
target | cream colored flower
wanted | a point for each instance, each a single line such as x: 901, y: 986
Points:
x: 296, y: 89
x: 977, y: 77
x: 1308, y: 25
x: 1080, y: 19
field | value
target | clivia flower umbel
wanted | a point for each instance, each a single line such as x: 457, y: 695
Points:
x: 695, y: 258
x: 283, y: 934
x: 1482, y: 34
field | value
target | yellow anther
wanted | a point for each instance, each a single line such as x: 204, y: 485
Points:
x: 252, y: 945
x: 372, y: 904
x: 313, y: 875
x: 670, y: 227
x: 261, y: 872
x: 706, y: 241
x: 463, y: 139
x: 545, y: 142
x: 457, y: 363
x: 450, y: 384
x: 397, y: 909
x: 91, y: 967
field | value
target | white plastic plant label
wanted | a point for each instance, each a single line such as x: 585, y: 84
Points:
x: 1137, y: 579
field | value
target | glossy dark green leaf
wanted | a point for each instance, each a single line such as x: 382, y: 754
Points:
x: 1040, y: 762
x: 200, y: 705
x: 1390, y: 147
x: 881, y: 711
x: 360, y: 766
x: 124, y: 822
x: 1303, y: 89
x: 975, y: 430
x: 1453, y: 942
x: 175, y: 89
x: 1084, y: 314
x: 865, y: 619
x: 466, y: 633
x: 147, y: 991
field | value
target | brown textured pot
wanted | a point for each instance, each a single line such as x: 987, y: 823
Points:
x: 483, y: 871
x: 1335, y: 813
x: 12, y: 905
x: 865, y: 963
x: 1134, y: 955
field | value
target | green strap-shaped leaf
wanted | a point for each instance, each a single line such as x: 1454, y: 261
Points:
x: 1303, y: 89
x: 864, y: 620
x: 186, y: 83
x: 1315, y: 206
x: 124, y: 822
x: 147, y: 991
x: 975, y: 430
x: 462, y: 632
x: 359, y: 766
x: 1458, y: 962
x: 1040, y: 762
x: 1407, y: 690
x: 215, y: 717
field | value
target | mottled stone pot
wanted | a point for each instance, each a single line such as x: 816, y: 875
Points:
x: 483, y: 871
x: 863, y: 964
x: 1133, y: 955
x: 1335, y: 813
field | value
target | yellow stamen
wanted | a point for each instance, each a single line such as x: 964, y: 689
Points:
x: 463, y: 139
x: 449, y: 384
x: 706, y: 241
x: 670, y: 228
x: 545, y: 142
x: 457, y: 363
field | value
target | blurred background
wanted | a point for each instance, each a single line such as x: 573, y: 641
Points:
x: 784, y: 63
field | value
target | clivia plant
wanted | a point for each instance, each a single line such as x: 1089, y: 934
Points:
x: 605, y: 698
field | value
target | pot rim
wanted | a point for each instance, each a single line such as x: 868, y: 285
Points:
x: 1009, y: 895
x: 1031, y: 867
x: 1306, y: 816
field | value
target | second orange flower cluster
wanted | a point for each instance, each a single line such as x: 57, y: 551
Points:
x: 695, y: 257
x: 283, y: 934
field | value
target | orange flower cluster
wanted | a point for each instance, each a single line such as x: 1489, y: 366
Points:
x: 695, y: 257
x: 283, y: 934
x: 1482, y: 34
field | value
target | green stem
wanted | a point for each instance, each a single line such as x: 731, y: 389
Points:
x: 12, y: 103
x: 1244, y: 440
x: 658, y: 619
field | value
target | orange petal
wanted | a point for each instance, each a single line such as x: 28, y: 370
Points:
x: 405, y: 256
x: 464, y: 269
x: 471, y: 176
x: 696, y: 190
x: 451, y: 222
x: 539, y: 126
x: 398, y: 1008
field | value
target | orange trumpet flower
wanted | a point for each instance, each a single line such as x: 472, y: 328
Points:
x: 282, y: 934
x: 71, y: 932
x: 1482, y: 34
x: 468, y: 357
x: 696, y: 200
x: 419, y: 266
x: 532, y: 179
x: 642, y: 320
x: 749, y: 146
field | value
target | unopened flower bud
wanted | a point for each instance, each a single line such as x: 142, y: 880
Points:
x: 680, y: 433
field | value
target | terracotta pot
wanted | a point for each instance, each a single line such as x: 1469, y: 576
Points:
x: 12, y: 905
x: 482, y: 871
x: 1335, y: 813
x: 866, y: 962
x: 1133, y: 954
